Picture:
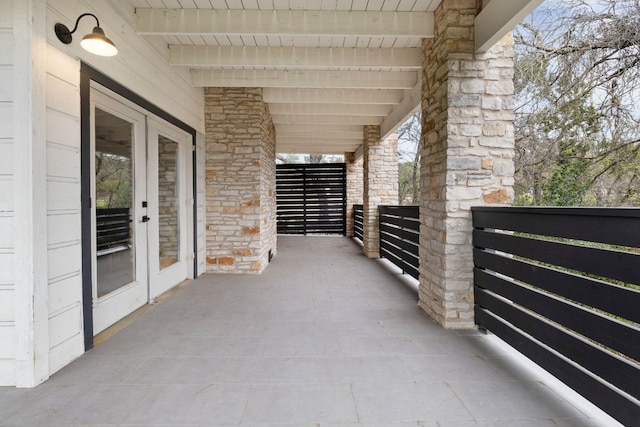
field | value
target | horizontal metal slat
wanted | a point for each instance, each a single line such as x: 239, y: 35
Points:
x: 613, y: 369
x: 604, y: 396
x: 617, y: 226
x: 617, y: 300
x: 616, y: 265
x: 613, y: 334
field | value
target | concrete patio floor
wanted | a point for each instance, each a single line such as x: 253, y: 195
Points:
x: 324, y: 337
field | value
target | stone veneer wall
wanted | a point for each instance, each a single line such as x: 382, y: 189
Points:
x: 467, y: 155
x: 355, y: 187
x: 240, y: 181
x: 380, y: 184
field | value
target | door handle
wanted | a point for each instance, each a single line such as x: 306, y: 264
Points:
x: 145, y: 219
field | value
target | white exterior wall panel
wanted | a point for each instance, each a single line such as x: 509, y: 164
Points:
x: 7, y: 235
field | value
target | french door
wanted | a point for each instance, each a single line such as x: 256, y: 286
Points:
x: 139, y: 203
x: 168, y: 149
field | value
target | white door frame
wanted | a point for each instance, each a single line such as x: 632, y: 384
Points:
x: 115, y: 305
x: 163, y: 279
x: 92, y: 79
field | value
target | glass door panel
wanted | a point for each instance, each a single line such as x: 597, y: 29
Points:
x: 115, y: 247
x: 167, y: 150
x: 168, y: 202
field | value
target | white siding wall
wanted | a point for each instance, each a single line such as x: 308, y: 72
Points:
x: 7, y: 278
x: 66, y: 340
x: 140, y: 67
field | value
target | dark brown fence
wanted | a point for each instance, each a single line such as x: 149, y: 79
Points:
x: 311, y: 199
x: 358, y: 219
x: 112, y: 228
x: 400, y: 237
x: 562, y: 286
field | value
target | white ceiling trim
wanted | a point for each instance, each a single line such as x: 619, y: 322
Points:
x: 305, y: 134
x: 318, y: 148
x: 310, y: 140
x: 282, y: 128
x: 327, y: 120
x: 284, y: 22
x: 329, y: 110
x: 333, y: 96
x: 305, y: 79
x: 294, y: 57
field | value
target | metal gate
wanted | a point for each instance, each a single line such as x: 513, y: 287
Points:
x: 311, y: 198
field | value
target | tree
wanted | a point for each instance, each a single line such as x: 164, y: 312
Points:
x: 577, y: 83
x: 113, y: 180
x: 409, y: 161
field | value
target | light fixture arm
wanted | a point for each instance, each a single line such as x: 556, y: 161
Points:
x: 63, y: 32
x: 82, y: 16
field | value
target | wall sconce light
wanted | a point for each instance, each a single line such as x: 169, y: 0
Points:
x: 96, y: 42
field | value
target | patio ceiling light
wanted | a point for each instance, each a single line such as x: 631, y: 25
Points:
x: 96, y: 42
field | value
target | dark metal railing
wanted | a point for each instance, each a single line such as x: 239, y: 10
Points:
x: 112, y: 228
x: 400, y: 237
x: 562, y: 286
x: 358, y: 219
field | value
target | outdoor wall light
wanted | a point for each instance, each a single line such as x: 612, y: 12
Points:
x: 96, y: 42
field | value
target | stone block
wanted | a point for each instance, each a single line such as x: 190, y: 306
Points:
x: 492, y: 103
x: 494, y: 129
x: 471, y: 130
x: 503, y: 168
x: 243, y: 252
x: 504, y: 87
x: 472, y: 86
x: 499, y: 197
x: 463, y: 163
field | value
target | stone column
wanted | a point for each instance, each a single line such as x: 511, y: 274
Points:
x: 240, y: 175
x: 467, y: 155
x: 380, y: 184
x: 355, y: 184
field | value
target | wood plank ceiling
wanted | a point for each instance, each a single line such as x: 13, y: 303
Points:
x: 327, y: 67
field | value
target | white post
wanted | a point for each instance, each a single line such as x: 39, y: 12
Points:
x: 31, y: 286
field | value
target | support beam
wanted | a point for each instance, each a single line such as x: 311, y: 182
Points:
x: 321, y: 140
x: 497, y: 18
x: 294, y: 57
x: 333, y: 96
x: 313, y: 149
x: 329, y: 110
x: 305, y: 79
x: 327, y: 120
x: 401, y: 112
x: 282, y: 128
x: 284, y: 22
x: 327, y: 133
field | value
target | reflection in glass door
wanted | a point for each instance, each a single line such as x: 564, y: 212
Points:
x: 115, y: 247
x: 168, y: 199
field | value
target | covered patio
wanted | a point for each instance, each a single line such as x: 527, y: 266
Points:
x: 324, y: 337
